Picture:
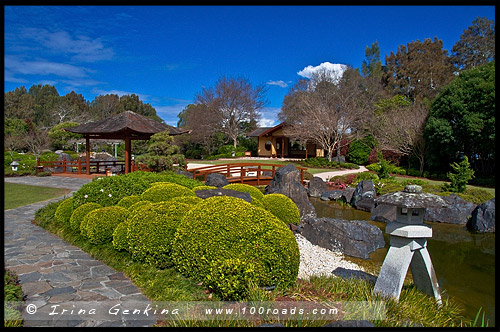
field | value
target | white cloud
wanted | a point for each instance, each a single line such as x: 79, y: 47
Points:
x: 263, y: 122
x: 278, y: 83
x: 336, y: 70
x: 42, y: 67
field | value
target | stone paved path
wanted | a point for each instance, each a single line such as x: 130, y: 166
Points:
x: 55, y: 275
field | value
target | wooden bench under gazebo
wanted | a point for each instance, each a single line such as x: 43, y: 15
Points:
x: 125, y: 126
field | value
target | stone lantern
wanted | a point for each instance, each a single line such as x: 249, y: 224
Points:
x: 408, y: 243
x: 14, y: 165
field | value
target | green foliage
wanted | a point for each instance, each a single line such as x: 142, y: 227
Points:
x: 364, y: 176
x: 151, y: 230
x: 120, y: 237
x: 59, y: 137
x: 99, y: 224
x: 462, y: 119
x: 164, y: 192
x: 245, y: 188
x: 13, y: 298
x: 191, y: 200
x: 162, y: 153
x: 460, y: 177
x: 64, y: 210
x: 230, y: 278
x: 109, y: 190
x: 229, y: 228
x: 132, y: 208
x: 80, y: 212
x: 203, y: 188
x: 127, y: 201
x: 359, y: 150
x: 282, y: 207
x: 319, y: 162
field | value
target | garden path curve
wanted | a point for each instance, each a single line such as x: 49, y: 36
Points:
x: 55, y: 275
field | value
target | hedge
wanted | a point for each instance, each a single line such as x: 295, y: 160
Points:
x: 98, y: 225
x: 64, y: 210
x: 282, y: 207
x: 80, y: 212
x: 164, y: 192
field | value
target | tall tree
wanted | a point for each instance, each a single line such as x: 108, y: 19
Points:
x: 104, y: 106
x: 324, y: 110
x: 205, y: 126
x: 372, y: 65
x: 45, y: 102
x: 419, y: 70
x: 476, y: 46
x: 462, y: 121
x: 134, y: 104
x: 18, y: 104
x: 231, y: 102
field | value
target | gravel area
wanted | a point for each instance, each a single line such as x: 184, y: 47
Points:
x: 315, y: 260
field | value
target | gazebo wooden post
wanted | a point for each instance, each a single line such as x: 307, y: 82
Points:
x: 87, y: 154
x: 127, y: 153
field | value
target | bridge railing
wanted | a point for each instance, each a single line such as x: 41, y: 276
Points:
x: 242, y: 172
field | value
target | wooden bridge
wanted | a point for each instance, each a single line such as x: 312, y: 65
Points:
x: 254, y: 174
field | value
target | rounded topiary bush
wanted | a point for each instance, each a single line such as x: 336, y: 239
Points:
x: 254, y: 192
x: 203, y: 188
x: 80, y: 212
x: 120, y: 236
x: 64, y: 210
x: 228, y: 228
x: 134, y: 206
x: 151, y: 230
x: 191, y: 200
x: 164, y: 192
x: 282, y: 207
x: 230, y: 278
x: 127, y: 201
x: 98, y: 225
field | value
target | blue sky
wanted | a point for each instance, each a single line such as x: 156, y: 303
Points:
x: 167, y: 54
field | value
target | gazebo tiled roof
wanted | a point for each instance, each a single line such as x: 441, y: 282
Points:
x: 115, y: 127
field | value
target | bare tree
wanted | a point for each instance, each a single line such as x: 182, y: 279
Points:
x: 324, y: 109
x: 399, y: 126
x: 231, y: 102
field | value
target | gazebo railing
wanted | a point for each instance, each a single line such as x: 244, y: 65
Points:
x: 79, y: 166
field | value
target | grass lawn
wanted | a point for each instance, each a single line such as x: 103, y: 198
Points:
x: 16, y: 195
x: 439, y: 183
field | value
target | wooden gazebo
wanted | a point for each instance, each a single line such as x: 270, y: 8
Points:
x: 125, y: 126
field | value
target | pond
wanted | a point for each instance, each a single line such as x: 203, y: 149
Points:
x: 464, y: 262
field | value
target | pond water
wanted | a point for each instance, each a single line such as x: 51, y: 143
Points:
x: 464, y: 262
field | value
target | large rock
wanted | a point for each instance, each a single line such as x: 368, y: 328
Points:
x: 354, y: 238
x: 64, y: 156
x: 332, y: 195
x: 483, y: 218
x: 206, y: 193
x: 216, y: 180
x: 316, y: 187
x: 347, y: 194
x: 383, y: 213
x: 458, y: 211
x: 286, y: 181
x: 364, y: 195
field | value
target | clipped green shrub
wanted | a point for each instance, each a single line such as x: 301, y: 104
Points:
x: 150, y: 232
x: 109, y: 190
x: 254, y: 192
x: 127, y: 201
x: 120, y: 237
x: 230, y: 278
x: 191, y: 200
x: 80, y: 212
x: 282, y: 207
x: 203, y: 188
x: 373, y: 167
x: 134, y: 206
x: 225, y: 228
x: 365, y: 176
x: 98, y: 225
x: 64, y: 210
x: 164, y: 192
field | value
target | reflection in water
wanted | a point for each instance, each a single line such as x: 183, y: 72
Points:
x: 464, y: 262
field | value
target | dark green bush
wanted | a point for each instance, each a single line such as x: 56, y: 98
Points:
x: 225, y: 227
x: 80, y: 212
x: 164, y: 192
x: 151, y: 230
x: 365, y: 176
x: 120, y: 237
x: 64, y: 210
x: 282, y: 207
x: 99, y: 224
x: 359, y: 152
